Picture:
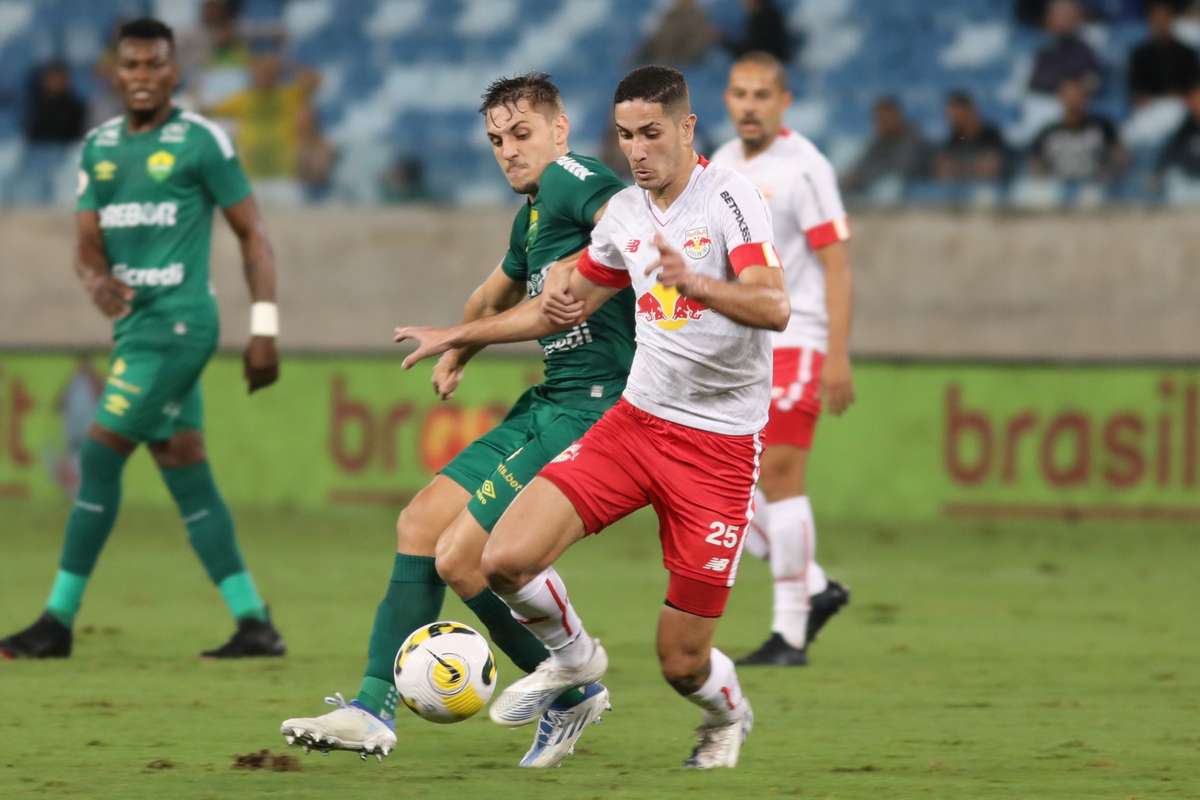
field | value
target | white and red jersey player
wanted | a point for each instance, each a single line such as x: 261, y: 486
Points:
x: 810, y: 226
x: 685, y: 436
x: 800, y: 186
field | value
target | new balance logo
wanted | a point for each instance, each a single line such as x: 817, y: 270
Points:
x: 717, y: 564
x: 633, y: 245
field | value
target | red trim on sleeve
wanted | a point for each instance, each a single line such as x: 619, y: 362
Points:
x: 754, y: 254
x: 827, y: 233
x: 601, y: 275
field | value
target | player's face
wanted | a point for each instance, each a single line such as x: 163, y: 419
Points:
x: 756, y: 102
x: 146, y: 74
x: 525, y: 141
x: 657, y: 144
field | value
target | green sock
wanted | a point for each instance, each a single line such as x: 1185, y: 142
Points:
x: 91, y: 521
x: 515, y: 639
x: 210, y: 530
x: 414, y: 598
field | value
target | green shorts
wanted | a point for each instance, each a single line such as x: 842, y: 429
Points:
x: 153, y: 390
x: 497, y: 465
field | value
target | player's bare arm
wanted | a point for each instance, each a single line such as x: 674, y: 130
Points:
x: 837, y: 381
x: 757, y: 298
x: 497, y: 293
x: 261, y: 357
x: 110, y: 295
x: 525, y: 322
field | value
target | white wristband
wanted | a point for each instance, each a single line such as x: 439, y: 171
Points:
x: 264, y: 319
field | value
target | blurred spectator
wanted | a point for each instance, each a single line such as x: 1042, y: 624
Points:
x: 1082, y: 146
x: 269, y: 116
x: 897, y: 151
x: 314, y: 155
x: 682, y: 37
x: 1162, y: 65
x: 1066, y: 56
x: 1182, y: 151
x: 215, y: 42
x: 55, y: 113
x: 974, y: 150
x: 404, y: 181
x: 766, y: 30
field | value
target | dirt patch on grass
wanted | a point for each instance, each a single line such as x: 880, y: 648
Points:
x: 265, y: 759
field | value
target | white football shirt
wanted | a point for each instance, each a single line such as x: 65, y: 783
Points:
x: 693, y: 366
x: 801, y: 189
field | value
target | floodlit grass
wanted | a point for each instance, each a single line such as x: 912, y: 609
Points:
x: 1000, y: 661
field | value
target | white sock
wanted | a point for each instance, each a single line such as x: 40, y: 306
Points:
x: 721, y: 695
x: 790, y: 529
x: 542, y: 606
x: 756, y: 543
x: 817, y: 582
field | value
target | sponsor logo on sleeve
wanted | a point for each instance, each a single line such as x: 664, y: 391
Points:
x: 81, y: 187
x: 105, y: 170
x: 737, y: 216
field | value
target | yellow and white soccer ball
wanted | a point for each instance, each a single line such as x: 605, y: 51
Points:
x: 445, y: 672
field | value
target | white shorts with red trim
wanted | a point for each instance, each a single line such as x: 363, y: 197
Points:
x: 700, y: 483
x: 795, y: 397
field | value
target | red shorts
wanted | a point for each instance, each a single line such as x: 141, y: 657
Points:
x: 700, y: 483
x: 795, y: 397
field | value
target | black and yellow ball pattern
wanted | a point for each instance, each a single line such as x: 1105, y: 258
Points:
x: 445, y: 672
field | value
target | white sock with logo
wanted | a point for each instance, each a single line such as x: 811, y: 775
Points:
x: 757, y: 544
x: 721, y: 695
x: 793, y: 542
x: 543, y: 607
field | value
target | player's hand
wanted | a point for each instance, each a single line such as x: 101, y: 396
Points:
x: 560, y: 307
x: 111, y: 296
x: 430, y: 342
x: 260, y: 363
x: 837, y: 384
x: 674, y: 270
x: 447, y: 374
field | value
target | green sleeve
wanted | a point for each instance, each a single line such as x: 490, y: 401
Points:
x: 514, y: 264
x: 221, y: 172
x: 86, y: 192
x: 579, y: 200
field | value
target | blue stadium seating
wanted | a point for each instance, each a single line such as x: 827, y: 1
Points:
x: 403, y: 76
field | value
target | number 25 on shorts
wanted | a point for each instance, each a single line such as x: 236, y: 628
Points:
x: 723, y: 535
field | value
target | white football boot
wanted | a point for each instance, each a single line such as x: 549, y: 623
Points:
x: 720, y: 743
x: 527, y: 699
x: 559, y: 728
x: 347, y: 727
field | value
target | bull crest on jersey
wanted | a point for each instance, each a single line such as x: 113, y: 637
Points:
x: 698, y: 243
x: 667, y: 308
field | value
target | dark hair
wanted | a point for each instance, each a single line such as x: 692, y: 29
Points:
x: 888, y: 101
x: 146, y: 28
x: 761, y: 58
x: 535, y: 88
x: 654, y: 84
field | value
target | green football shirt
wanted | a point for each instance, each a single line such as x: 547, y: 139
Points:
x: 155, y: 192
x: 586, y: 366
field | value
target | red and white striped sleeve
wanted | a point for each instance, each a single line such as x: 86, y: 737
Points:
x: 602, y: 263
x: 744, y: 222
x: 822, y: 215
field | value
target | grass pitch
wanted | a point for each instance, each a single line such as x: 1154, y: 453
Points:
x: 999, y: 661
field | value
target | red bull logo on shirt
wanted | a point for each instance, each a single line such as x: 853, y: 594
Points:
x: 668, y: 309
x: 698, y: 243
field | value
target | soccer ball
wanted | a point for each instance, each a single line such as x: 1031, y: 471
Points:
x: 445, y: 672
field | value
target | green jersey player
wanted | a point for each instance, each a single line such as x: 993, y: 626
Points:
x: 148, y: 182
x: 442, y: 532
